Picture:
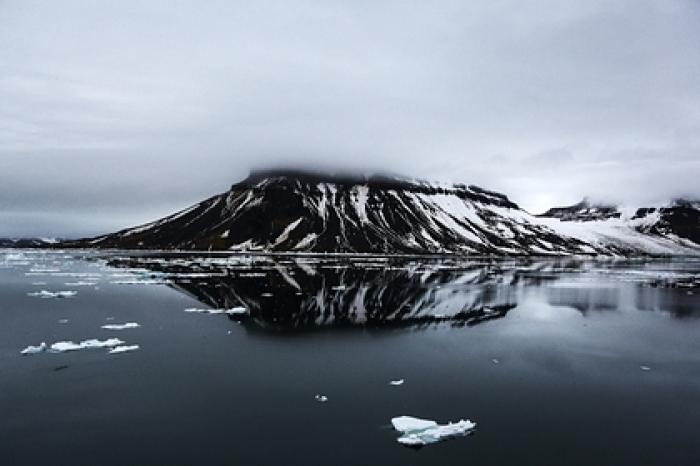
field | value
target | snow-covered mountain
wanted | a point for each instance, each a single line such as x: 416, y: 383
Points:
x: 584, y: 211
x: 297, y: 211
x: 668, y: 229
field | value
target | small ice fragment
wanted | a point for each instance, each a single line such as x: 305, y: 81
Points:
x: 495, y: 361
x: 34, y: 349
x: 266, y: 295
x: 53, y: 294
x: 321, y: 398
x: 123, y: 349
x: 237, y: 311
x: 645, y: 368
x: 396, y: 382
x: 120, y: 326
x: 109, y: 318
x: 418, y: 432
x: 62, y: 321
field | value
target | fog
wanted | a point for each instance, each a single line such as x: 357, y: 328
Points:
x: 114, y: 113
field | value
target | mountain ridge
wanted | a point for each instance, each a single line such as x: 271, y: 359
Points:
x: 311, y: 212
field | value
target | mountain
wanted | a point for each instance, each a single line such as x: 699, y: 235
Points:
x: 27, y: 242
x: 302, y: 211
x: 668, y: 229
x: 584, y: 211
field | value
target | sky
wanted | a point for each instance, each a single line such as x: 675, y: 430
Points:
x: 116, y: 113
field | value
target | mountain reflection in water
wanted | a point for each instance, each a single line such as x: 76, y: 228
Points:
x: 302, y: 293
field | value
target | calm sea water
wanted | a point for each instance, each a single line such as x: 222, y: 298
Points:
x: 559, y: 362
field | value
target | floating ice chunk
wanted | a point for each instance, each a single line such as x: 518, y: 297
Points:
x: 34, y: 349
x: 62, y: 321
x: 234, y: 311
x: 645, y: 368
x: 495, y: 361
x: 396, y: 382
x: 142, y: 282
x: 120, y: 326
x: 123, y: 349
x: 418, y: 432
x: 321, y: 398
x: 266, y: 295
x: 53, y: 294
x: 62, y: 346
x: 237, y: 311
x: 81, y: 283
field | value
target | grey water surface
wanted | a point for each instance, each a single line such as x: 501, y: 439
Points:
x: 558, y: 361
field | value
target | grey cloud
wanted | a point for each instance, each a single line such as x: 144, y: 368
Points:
x: 113, y: 112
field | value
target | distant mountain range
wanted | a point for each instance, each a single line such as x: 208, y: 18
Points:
x: 301, y: 211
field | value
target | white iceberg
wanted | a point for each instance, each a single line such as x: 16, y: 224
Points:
x: 123, y: 349
x: 418, y: 432
x: 34, y: 349
x: 120, y: 326
x: 53, y: 294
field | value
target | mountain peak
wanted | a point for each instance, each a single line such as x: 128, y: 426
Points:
x: 583, y: 211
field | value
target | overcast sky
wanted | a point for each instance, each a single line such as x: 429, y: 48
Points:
x: 114, y: 113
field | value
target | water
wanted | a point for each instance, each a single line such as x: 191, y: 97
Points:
x: 557, y: 361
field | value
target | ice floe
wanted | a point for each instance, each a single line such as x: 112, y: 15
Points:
x: 120, y: 326
x: 53, y: 294
x: 234, y: 311
x: 141, y: 282
x: 396, y: 382
x: 123, y: 349
x: 63, y: 346
x: 34, y: 349
x: 418, y: 432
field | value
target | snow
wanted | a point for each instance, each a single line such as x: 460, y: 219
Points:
x: 120, y: 326
x: 361, y: 196
x: 53, y: 294
x: 285, y: 233
x: 306, y: 241
x: 419, y: 432
x: 123, y: 349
